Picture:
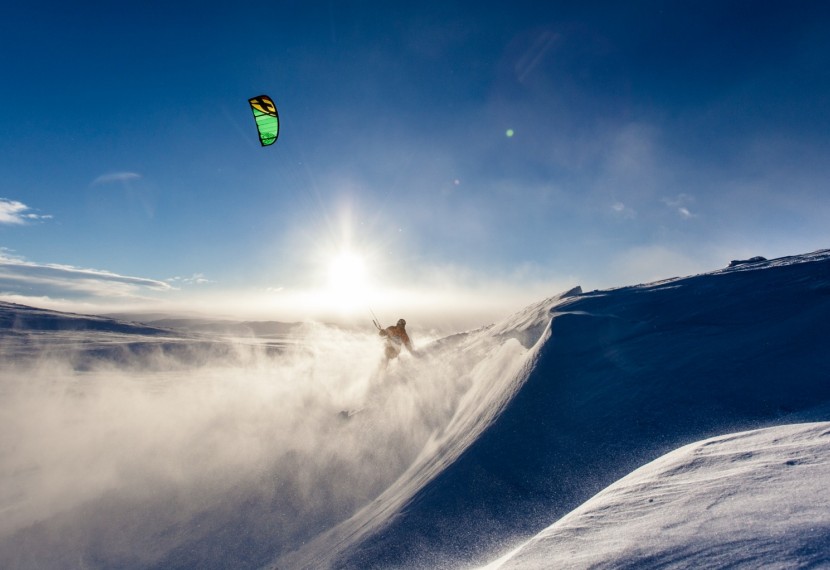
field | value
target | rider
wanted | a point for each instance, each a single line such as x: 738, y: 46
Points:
x: 396, y: 338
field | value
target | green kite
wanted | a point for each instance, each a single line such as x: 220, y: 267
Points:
x: 267, y: 119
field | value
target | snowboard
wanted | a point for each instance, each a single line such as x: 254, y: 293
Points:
x: 349, y: 414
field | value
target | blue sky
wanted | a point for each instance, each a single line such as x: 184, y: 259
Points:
x: 649, y: 139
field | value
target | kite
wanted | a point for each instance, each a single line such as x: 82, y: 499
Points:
x: 267, y: 120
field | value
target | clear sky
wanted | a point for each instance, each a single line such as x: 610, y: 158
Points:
x: 468, y: 157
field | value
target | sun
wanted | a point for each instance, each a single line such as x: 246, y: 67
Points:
x: 348, y: 280
x: 347, y: 271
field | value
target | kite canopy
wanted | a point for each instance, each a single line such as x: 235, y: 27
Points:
x: 267, y: 120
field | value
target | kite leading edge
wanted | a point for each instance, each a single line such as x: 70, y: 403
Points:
x: 267, y: 119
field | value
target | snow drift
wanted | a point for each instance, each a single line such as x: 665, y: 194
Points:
x: 746, y: 500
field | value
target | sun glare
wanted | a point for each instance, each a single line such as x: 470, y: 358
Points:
x: 348, y: 280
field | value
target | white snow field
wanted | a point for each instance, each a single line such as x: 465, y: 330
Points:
x: 755, y: 499
x: 145, y: 448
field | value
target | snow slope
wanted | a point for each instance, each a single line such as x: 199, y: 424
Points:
x: 746, y: 500
x: 618, y: 378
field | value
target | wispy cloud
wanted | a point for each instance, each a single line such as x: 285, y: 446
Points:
x: 680, y: 204
x: 195, y: 279
x: 112, y: 177
x: 21, y: 277
x: 17, y: 213
x: 623, y: 211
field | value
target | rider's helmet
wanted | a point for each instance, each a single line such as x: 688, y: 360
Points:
x: 401, y: 323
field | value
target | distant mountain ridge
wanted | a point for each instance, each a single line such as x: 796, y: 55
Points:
x: 21, y: 318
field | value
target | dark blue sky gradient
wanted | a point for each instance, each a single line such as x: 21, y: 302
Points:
x: 651, y: 138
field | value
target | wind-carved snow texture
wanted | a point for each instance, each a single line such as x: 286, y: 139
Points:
x: 146, y: 449
x: 746, y: 500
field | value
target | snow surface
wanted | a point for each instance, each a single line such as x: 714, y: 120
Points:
x: 182, y: 452
x: 746, y: 500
